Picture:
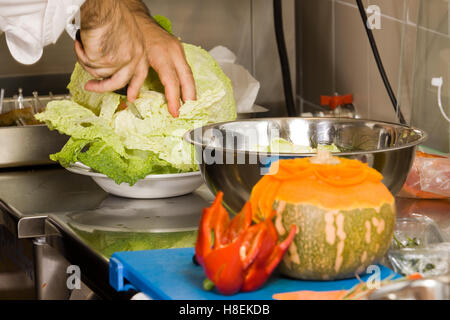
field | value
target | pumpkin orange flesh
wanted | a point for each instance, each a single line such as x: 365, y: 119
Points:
x: 348, y: 184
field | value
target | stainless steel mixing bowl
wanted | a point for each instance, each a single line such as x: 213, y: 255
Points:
x: 229, y: 160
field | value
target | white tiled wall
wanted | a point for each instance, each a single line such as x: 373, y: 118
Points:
x: 335, y: 56
x: 432, y: 60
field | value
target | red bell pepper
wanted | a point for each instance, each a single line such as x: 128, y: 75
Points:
x: 239, y: 223
x: 235, y: 254
x: 216, y: 221
x: 268, y: 258
x: 225, y: 269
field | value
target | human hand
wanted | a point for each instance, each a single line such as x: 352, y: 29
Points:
x: 166, y: 56
x: 112, y: 48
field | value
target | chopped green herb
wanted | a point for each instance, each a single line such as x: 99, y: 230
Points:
x: 429, y: 267
x: 409, y: 243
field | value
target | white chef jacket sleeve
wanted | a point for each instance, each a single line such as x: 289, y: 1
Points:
x: 30, y: 25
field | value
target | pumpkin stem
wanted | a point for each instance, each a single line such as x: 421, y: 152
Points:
x: 324, y: 157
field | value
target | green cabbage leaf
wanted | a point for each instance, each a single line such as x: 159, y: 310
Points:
x: 128, y: 141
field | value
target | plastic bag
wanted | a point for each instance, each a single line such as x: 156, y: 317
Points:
x: 245, y: 87
x: 429, y: 177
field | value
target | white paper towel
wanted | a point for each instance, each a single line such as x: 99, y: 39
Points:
x: 245, y: 87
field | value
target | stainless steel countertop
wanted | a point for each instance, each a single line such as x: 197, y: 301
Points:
x: 43, y: 190
x: 86, y: 225
x: 37, y: 193
x: 120, y: 224
x: 29, y: 195
x: 69, y: 198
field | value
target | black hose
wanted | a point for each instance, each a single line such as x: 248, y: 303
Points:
x: 284, y: 61
x: 379, y: 63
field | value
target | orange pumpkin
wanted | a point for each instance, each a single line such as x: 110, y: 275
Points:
x: 344, y: 213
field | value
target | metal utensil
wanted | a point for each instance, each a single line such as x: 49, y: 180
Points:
x: 122, y: 91
x: 37, y: 105
x: 28, y: 145
x: 432, y: 288
x: 19, y: 101
x: 387, y: 147
x: 2, y: 95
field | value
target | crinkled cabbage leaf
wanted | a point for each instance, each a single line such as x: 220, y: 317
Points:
x: 280, y: 145
x: 127, y: 141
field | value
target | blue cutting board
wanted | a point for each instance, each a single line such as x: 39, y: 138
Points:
x: 170, y: 274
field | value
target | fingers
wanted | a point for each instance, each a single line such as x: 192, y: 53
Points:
x: 114, y: 54
x: 186, y: 80
x: 177, y: 78
x: 169, y: 80
x: 138, y: 80
x: 116, y: 81
x: 174, y: 72
x: 111, y: 75
x: 99, y: 72
x: 95, y: 70
x: 129, y: 62
x: 184, y: 73
x: 79, y: 51
x: 173, y: 99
